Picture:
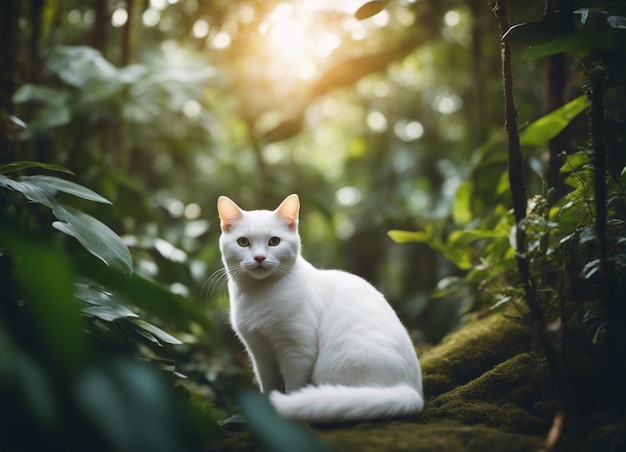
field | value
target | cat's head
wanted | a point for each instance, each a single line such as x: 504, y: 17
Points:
x: 259, y: 243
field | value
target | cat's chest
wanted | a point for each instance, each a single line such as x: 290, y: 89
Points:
x: 281, y: 310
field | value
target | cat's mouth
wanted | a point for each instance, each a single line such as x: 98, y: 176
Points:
x: 258, y: 271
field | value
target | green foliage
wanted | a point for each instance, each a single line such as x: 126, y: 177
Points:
x: 22, y: 165
x: 134, y: 409
x: 557, y: 237
x: 112, y: 315
x: 579, y: 32
x: 457, y: 247
x: 272, y: 431
x: 547, y: 127
x: 94, y: 235
x: 97, y: 238
x: 51, y: 296
x: 59, y: 373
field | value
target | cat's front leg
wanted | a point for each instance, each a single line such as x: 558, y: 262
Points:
x: 268, y: 377
x: 265, y: 367
x: 296, y: 369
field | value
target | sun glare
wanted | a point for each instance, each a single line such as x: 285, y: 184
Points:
x: 294, y: 38
x: 287, y: 35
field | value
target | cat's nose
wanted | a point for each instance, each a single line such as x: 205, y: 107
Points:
x: 259, y: 258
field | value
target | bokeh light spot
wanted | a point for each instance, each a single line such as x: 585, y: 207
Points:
x: 151, y: 17
x: 348, y: 196
x: 376, y: 121
x: 221, y: 40
x: 447, y: 103
x: 192, y: 109
x: 408, y: 131
x: 119, y: 17
x: 452, y: 18
x: 200, y: 28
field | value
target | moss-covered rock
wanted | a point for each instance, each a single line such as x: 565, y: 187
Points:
x: 514, y: 396
x: 471, y: 351
x: 486, y: 374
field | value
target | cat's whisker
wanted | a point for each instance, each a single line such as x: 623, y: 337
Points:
x: 209, y: 283
x: 283, y: 270
x: 236, y: 272
x: 218, y: 281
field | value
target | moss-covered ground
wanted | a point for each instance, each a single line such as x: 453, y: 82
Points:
x: 486, y: 389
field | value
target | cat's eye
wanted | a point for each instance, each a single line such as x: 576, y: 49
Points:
x: 274, y: 241
x: 243, y: 241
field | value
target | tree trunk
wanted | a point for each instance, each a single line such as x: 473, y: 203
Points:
x: 9, y: 16
x: 554, y: 95
x: 101, y: 25
x: 127, y: 33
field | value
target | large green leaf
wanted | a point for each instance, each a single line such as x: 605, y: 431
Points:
x: 45, y: 275
x: 135, y: 409
x: 462, y: 205
x: 143, y: 293
x: 457, y: 247
x: 574, y: 161
x: 157, y: 332
x: 42, y: 189
x: 95, y: 236
x: 29, y: 380
x: 409, y: 236
x: 108, y: 306
x: 550, y: 125
x: 272, y: 431
x: 33, y: 192
x: 54, y: 184
x: 24, y: 164
x: 574, y: 42
x: 101, y: 303
x: 426, y: 236
x: 595, y: 30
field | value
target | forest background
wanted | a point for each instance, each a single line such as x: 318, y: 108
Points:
x: 121, y: 122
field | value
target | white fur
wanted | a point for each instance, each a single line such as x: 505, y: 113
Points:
x: 325, y: 344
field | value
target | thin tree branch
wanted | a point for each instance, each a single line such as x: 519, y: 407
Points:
x: 518, y: 194
x: 608, y: 283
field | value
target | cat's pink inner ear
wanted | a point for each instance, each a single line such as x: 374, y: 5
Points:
x: 288, y: 211
x: 229, y: 212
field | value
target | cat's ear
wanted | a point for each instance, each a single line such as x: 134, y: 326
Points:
x: 229, y: 212
x: 288, y: 211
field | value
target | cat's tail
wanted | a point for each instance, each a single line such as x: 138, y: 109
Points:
x: 326, y: 403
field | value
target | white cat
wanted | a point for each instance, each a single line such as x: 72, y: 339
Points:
x: 324, y: 344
